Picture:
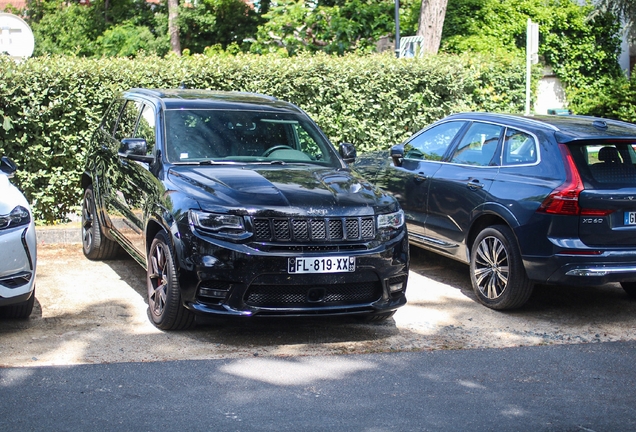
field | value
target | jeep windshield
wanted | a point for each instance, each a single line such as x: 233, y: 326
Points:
x: 212, y: 136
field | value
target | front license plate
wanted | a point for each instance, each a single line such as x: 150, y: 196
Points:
x: 630, y: 218
x: 322, y: 265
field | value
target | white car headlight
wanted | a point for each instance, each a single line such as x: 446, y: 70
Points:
x: 223, y: 225
x: 391, y: 220
x: 18, y: 216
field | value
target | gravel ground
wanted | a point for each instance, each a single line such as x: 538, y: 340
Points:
x: 95, y: 312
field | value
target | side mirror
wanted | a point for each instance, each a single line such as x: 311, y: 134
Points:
x: 397, y: 154
x: 348, y: 152
x: 135, y: 149
x: 7, y: 166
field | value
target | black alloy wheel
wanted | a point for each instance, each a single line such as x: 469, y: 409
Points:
x: 164, y: 295
x: 95, y: 244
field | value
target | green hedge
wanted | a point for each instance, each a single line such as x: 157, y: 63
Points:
x: 611, y: 98
x: 49, y: 106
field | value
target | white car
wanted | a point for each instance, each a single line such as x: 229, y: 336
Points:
x: 18, y: 244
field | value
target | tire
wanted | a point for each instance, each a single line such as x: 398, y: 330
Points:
x: 496, y: 270
x: 630, y: 288
x: 95, y: 244
x: 20, y: 310
x: 164, y: 294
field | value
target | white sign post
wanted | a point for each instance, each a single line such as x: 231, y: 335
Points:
x: 532, y: 56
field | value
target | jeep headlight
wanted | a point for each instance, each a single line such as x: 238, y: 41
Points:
x: 223, y: 225
x: 391, y: 220
x: 18, y: 216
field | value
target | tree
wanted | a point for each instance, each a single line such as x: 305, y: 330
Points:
x: 216, y: 22
x: 624, y: 9
x: 173, y: 26
x: 126, y: 40
x: 331, y: 26
x: 431, y: 24
x: 62, y: 29
x: 582, y: 49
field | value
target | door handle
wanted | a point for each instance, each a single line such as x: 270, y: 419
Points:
x: 420, y: 177
x: 474, y: 184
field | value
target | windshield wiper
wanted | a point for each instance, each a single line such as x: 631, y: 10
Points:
x: 206, y: 162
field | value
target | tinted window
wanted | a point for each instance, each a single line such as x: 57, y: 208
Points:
x: 606, y: 163
x: 127, y: 121
x: 519, y: 148
x: 110, y: 119
x: 432, y: 143
x: 195, y: 135
x: 146, y: 127
x: 478, y: 146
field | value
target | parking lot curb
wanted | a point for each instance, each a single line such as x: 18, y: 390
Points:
x: 49, y: 235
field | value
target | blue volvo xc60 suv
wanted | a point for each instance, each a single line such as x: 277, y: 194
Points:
x: 522, y: 200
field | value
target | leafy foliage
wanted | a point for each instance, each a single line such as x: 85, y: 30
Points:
x: 49, y: 106
x: 127, y: 40
x: 610, y: 98
x: 333, y: 27
x: 216, y: 22
x: 62, y: 27
x: 581, y: 45
x: 580, y: 50
x: 624, y: 9
x: 126, y: 27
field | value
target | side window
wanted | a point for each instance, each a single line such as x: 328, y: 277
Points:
x: 519, y: 148
x: 112, y: 114
x: 127, y: 120
x: 146, y: 127
x: 478, y: 146
x: 433, y: 143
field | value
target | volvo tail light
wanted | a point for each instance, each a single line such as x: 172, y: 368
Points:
x: 564, y: 200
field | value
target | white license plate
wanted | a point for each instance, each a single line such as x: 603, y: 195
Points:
x: 630, y: 218
x: 340, y: 264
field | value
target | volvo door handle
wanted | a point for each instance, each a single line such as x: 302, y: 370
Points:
x: 474, y: 184
x: 419, y: 177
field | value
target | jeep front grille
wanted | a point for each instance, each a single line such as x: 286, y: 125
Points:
x: 319, y: 230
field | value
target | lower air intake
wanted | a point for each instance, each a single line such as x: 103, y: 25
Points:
x: 285, y: 296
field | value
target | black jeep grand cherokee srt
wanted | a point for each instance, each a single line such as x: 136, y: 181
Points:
x: 237, y: 204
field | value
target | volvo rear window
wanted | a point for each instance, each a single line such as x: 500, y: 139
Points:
x: 606, y: 162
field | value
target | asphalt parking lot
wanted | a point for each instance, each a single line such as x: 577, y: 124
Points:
x: 95, y: 312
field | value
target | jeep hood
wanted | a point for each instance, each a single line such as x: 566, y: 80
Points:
x: 302, y: 190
